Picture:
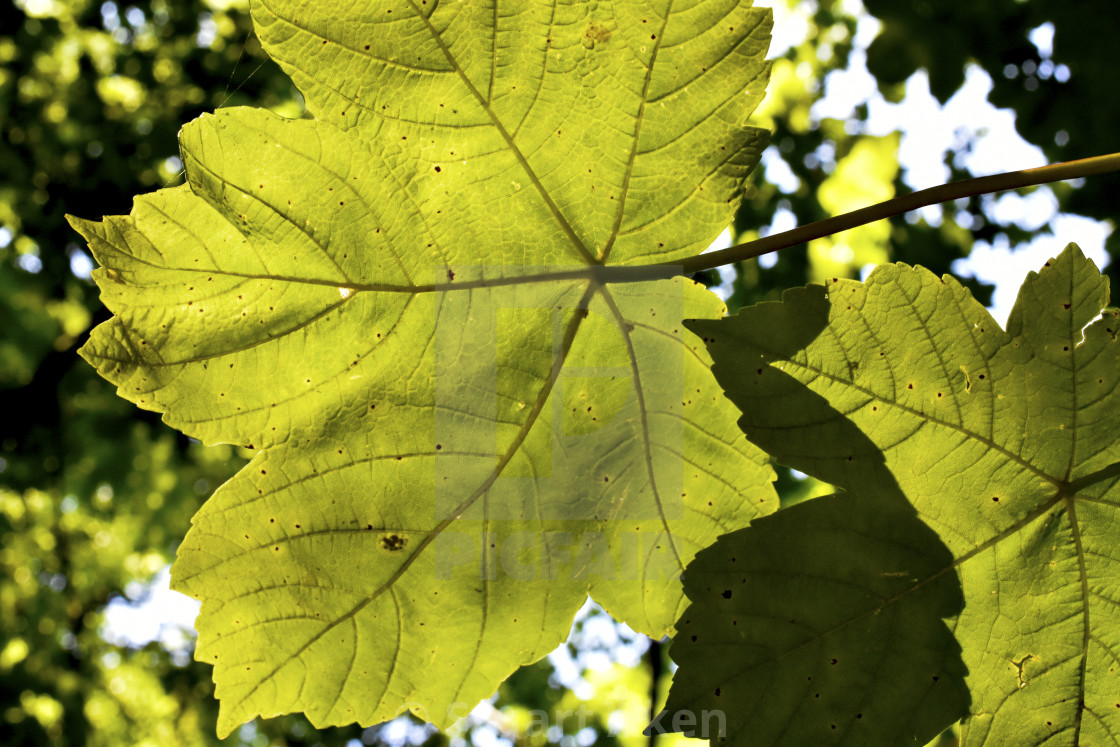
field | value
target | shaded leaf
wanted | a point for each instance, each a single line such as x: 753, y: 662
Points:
x: 1003, y: 443
x: 807, y: 628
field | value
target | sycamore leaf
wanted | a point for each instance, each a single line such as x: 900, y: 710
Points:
x: 1004, y: 444
x: 806, y: 628
x: 462, y: 428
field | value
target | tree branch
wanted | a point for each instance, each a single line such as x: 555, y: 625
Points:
x: 943, y: 193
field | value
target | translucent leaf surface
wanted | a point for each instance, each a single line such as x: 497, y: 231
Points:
x: 1003, y: 442
x: 462, y: 429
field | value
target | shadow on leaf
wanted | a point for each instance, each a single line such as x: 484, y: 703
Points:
x: 823, y: 623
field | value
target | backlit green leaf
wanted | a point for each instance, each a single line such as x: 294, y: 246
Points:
x: 1003, y: 442
x: 462, y: 430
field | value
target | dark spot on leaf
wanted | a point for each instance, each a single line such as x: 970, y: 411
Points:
x: 726, y: 594
x: 393, y: 542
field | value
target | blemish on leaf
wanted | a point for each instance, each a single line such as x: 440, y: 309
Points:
x: 595, y: 33
x: 393, y: 542
x: 1019, y: 666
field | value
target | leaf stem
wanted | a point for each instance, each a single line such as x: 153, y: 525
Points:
x: 943, y: 193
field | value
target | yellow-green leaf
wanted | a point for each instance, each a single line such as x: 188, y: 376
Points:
x: 1002, y: 442
x: 463, y: 429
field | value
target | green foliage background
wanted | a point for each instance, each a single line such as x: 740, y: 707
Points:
x: 94, y: 495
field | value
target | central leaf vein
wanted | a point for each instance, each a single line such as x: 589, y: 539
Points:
x: 553, y: 208
x: 639, y: 118
x: 624, y: 329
